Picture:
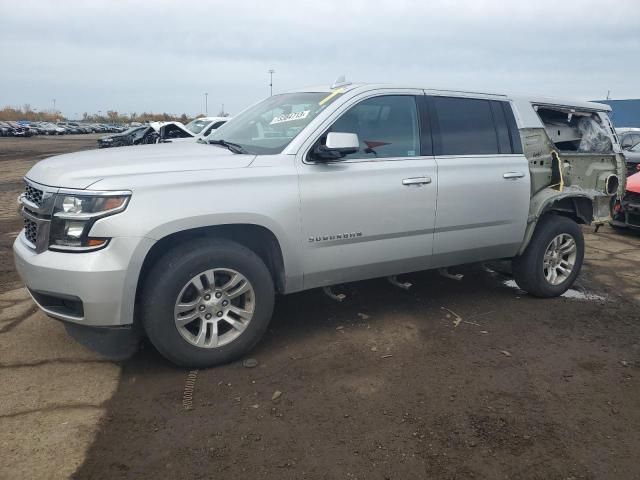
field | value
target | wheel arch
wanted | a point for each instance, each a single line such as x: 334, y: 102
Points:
x: 581, y: 206
x: 257, y: 238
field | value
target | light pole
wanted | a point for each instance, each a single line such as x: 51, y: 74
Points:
x: 206, y: 104
x: 54, y: 105
x: 271, y: 72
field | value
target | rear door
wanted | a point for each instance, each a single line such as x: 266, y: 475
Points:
x: 483, y: 180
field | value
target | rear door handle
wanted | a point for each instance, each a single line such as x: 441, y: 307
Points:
x: 416, y: 181
x: 510, y: 175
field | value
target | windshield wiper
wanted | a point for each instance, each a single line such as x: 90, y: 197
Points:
x: 234, y: 147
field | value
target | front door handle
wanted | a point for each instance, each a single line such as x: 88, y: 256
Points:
x: 416, y: 181
x: 510, y: 175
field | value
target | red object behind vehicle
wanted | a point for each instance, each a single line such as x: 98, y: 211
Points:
x: 633, y: 183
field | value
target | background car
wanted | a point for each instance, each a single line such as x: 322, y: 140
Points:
x: 32, y: 127
x: 5, y: 130
x: 69, y: 127
x: 628, y: 137
x: 19, y: 130
x: 213, y: 126
x: 134, y: 136
x: 625, y: 213
x: 200, y: 128
x: 632, y: 157
x: 197, y: 125
x: 54, y: 129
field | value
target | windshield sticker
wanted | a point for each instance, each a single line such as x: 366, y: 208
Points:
x: 330, y: 96
x: 290, y: 117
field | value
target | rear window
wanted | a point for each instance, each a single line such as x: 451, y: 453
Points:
x: 465, y: 127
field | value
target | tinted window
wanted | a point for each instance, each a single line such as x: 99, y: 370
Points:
x: 502, y: 130
x: 465, y: 127
x: 386, y: 127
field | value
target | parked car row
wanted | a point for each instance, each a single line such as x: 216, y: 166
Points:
x: 24, y: 128
x: 77, y: 127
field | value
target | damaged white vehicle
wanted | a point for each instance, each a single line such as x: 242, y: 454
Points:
x: 196, y: 130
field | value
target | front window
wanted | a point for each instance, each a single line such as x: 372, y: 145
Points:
x: 387, y: 127
x: 268, y: 127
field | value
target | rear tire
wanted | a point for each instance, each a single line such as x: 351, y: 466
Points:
x: 553, y: 258
x: 194, y: 280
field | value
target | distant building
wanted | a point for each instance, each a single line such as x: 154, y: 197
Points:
x: 626, y: 113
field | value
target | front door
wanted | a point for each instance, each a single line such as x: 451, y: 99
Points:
x: 373, y: 213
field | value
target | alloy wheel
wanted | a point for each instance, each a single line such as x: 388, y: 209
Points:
x: 214, y: 308
x: 559, y: 259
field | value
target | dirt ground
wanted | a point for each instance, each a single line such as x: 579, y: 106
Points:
x: 449, y: 380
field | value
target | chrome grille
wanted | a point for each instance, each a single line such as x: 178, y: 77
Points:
x: 31, y: 230
x: 37, y: 207
x: 33, y: 195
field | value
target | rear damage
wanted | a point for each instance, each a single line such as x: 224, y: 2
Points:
x: 575, y: 163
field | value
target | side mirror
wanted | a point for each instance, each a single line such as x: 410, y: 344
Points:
x: 337, y: 146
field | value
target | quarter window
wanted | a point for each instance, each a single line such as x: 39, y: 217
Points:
x: 386, y: 126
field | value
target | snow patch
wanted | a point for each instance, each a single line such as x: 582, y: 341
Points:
x: 571, y: 293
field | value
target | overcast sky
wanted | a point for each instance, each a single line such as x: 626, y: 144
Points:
x: 162, y: 56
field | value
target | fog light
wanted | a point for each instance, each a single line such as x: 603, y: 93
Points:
x: 74, y: 229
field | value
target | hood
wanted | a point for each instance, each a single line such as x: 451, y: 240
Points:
x: 633, y: 183
x: 82, y: 169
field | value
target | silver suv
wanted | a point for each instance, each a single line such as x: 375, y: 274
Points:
x: 311, y: 188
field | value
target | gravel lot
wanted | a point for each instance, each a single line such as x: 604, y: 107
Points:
x: 470, y: 379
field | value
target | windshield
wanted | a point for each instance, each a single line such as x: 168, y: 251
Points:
x: 197, y: 125
x: 635, y: 148
x: 268, y: 127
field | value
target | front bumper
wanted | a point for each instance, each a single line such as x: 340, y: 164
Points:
x: 104, y: 281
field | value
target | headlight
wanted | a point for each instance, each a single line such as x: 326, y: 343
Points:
x: 75, y: 214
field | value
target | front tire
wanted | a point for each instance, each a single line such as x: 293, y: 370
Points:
x: 207, y: 302
x: 552, y: 260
